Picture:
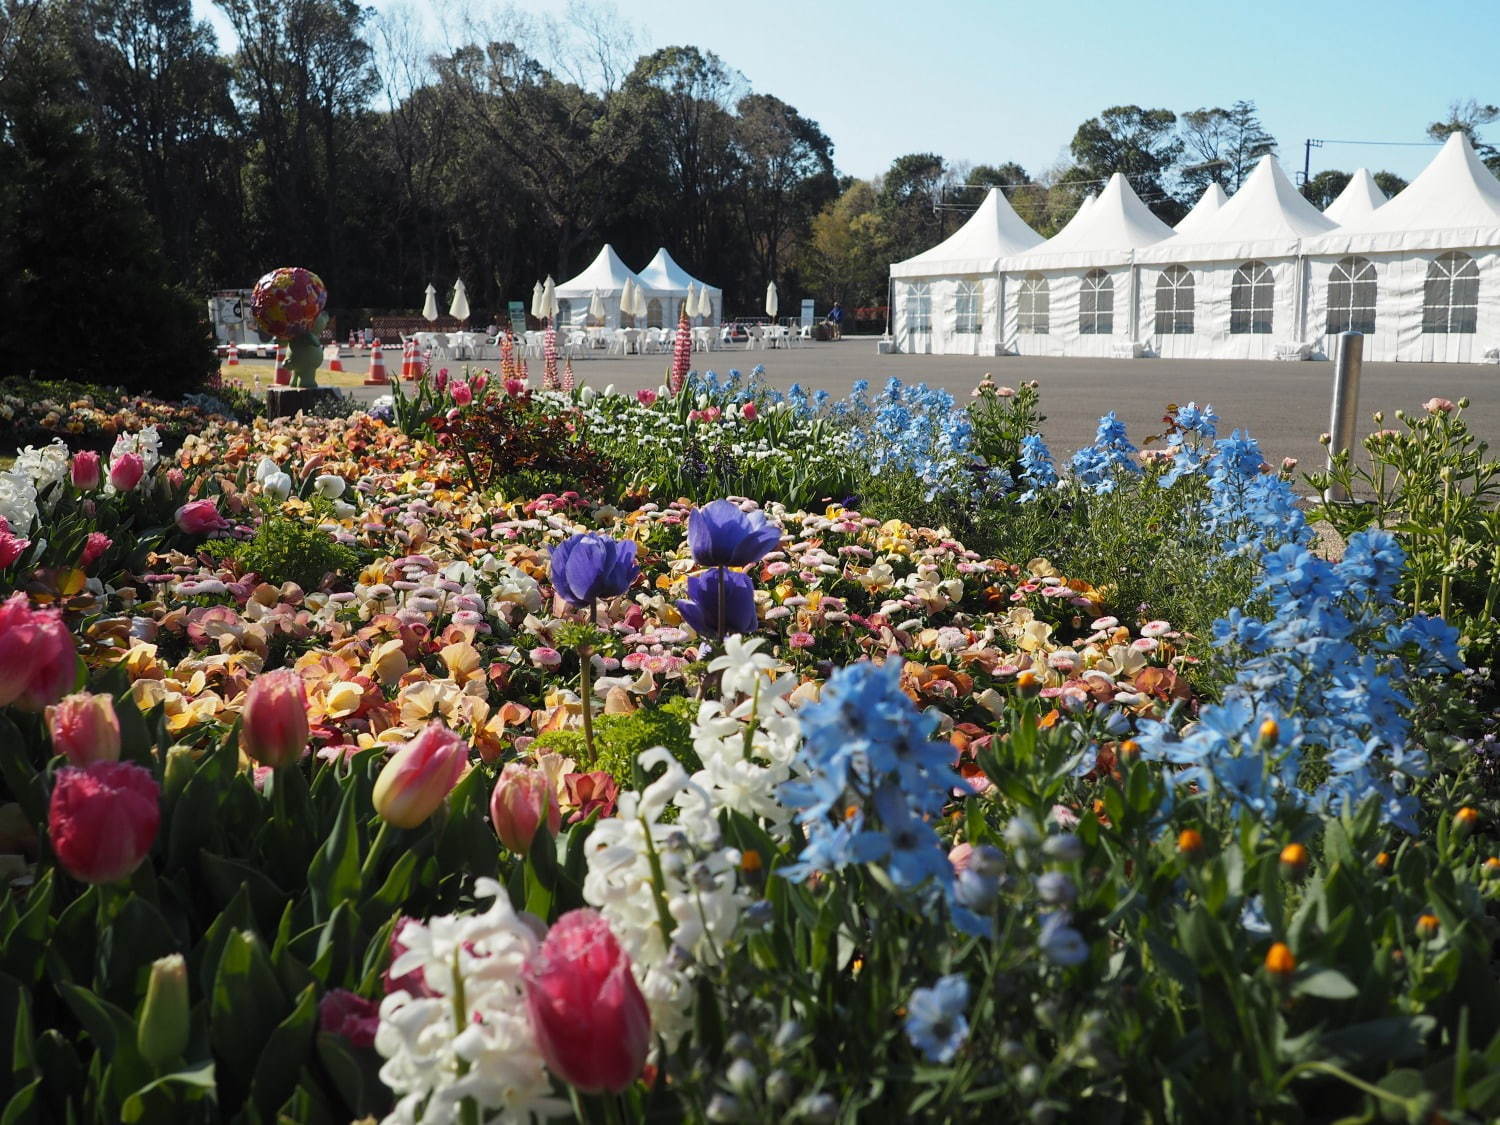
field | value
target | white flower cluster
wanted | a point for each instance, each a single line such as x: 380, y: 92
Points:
x: 748, y: 741
x: 145, y: 442
x: 23, y: 484
x: 18, y: 500
x: 472, y: 1038
x: 687, y: 919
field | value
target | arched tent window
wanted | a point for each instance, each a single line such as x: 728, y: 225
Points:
x: 564, y: 311
x: 919, y: 307
x: 1351, y: 296
x: 970, y: 306
x: 653, y: 313
x: 1174, y: 302
x: 1252, y: 294
x: 1096, y: 304
x: 1451, y: 301
x: 1033, y: 304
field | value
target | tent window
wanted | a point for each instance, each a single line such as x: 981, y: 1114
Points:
x: 970, y: 304
x: 1451, y: 301
x: 1096, y: 305
x: 1174, y: 302
x: 653, y: 313
x: 919, y: 307
x: 564, y: 311
x: 1032, y: 305
x: 1351, y: 296
x: 1251, y: 297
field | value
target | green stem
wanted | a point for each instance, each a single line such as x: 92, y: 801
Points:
x: 372, y: 859
x: 658, y: 887
x: 278, y: 795
x: 612, y: 1113
x: 721, y: 606
x: 1345, y: 1076
x: 586, y: 689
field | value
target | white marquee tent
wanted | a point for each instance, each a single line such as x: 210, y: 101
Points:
x: 1262, y: 274
x: 605, y: 275
x: 947, y: 299
x: 670, y: 284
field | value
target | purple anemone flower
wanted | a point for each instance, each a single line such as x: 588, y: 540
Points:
x: 588, y: 567
x: 700, y: 608
x: 719, y: 534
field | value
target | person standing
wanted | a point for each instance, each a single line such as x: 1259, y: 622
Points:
x: 836, y: 320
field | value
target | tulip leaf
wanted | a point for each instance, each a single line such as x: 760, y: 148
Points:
x: 137, y: 936
x: 15, y: 1013
x: 245, y: 1006
x: 335, y: 946
x: 203, y: 959
x: 162, y: 1098
x: 28, y: 786
x: 575, y: 862
x: 74, y: 937
x: 111, y: 1028
x: 23, y: 1105
x: 22, y: 952
x: 334, y: 876
x: 284, y: 1053
x: 137, y: 741
x: 1326, y: 984
x: 355, y: 1074
x: 227, y: 878
x: 393, y: 892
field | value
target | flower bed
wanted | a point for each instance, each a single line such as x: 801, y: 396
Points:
x: 350, y: 769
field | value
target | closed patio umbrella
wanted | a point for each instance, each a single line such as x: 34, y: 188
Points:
x: 596, y: 305
x: 536, y: 300
x: 459, y: 309
x: 772, y: 302
x: 549, y: 299
x: 430, y: 310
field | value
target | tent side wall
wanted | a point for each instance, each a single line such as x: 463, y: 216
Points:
x: 943, y: 336
x: 1212, y: 301
x: 1065, y: 299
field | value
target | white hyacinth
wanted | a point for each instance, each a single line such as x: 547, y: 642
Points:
x: 146, y: 443
x: 45, y: 466
x: 699, y: 888
x: 18, y: 500
x: 432, y: 1065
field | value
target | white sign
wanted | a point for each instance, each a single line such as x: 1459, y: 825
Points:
x: 807, y: 311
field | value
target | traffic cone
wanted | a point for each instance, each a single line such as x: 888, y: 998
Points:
x: 234, y: 355
x: 331, y: 358
x: 377, y: 366
x: 409, y: 361
x: 283, y: 372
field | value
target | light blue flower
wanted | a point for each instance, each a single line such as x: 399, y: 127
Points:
x: 936, y: 1018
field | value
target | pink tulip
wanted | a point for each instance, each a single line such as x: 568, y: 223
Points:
x: 479, y: 382
x: 1438, y: 406
x: 646, y: 397
x: 350, y: 1015
x: 85, y: 729
x: 514, y: 387
x: 273, y: 719
x: 748, y: 412
x: 103, y: 819
x: 126, y: 472
x: 589, y: 1017
x: 522, y: 796
x: 200, y: 517
x: 38, y: 663
x: 12, y: 546
x: 420, y: 775
x: 440, y: 380
x: 176, y: 478
x: 86, y: 470
x: 94, y: 546
x: 462, y: 393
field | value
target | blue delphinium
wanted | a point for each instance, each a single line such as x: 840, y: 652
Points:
x: 1099, y: 467
x: 937, y: 1022
x: 872, y: 781
x: 1190, y: 420
x: 1037, y: 472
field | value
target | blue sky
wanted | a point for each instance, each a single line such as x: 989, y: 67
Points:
x: 995, y: 80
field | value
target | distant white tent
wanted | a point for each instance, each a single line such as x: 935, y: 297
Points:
x: 1208, y: 204
x: 948, y: 299
x: 1359, y: 198
x: 672, y: 284
x: 605, y: 276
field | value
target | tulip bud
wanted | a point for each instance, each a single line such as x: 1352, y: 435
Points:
x: 419, y: 776
x: 520, y: 799
x: 181, y: 762
x: 86, y: 474
x: 1280, y: 962
x: 85, y: 729
x: 102, y: 819
x: 161, y: 1032
x: 1294, y: 860
x: 273, y: 719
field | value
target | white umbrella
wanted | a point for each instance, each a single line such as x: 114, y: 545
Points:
x: 772, y: 303
x: 459, y: 309
x: 690, y: 306
x: 705, y: 304
x: 536, y: 300
x: 549, y: 299
x: 429, y: 310
x: 596, y: 305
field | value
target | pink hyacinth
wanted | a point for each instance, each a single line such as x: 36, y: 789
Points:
x: 682, y: 356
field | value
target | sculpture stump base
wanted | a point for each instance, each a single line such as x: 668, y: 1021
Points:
x: 283, y: 402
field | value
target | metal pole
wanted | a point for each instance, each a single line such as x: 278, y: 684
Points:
x: 1348, y: 359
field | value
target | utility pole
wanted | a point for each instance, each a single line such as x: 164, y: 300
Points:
x: 1307, y: 158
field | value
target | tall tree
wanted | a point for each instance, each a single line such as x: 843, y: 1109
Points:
x: 845, y: 257
x: 1467, y: 117
x: 787, y: 175
x: 1222, y: 146
x: 1323, y: 188
x: 1140, y: 144
x: 909, y: 196
x: 1008, y: 177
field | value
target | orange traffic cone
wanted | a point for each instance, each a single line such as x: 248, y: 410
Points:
x: 377, y: 366
x: 331, y: 358
x: 409, y: 360
x: 234, y: 355
x: 283, y: 372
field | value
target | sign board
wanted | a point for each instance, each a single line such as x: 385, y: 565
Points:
x: 807, y: 311
x: 518, y: 318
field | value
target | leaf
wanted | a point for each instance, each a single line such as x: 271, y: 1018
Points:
x: 27, y: 784
x: 22, y: 1106
x: 245, y: 1007
x: 22, y: 952
x: 229, y: 878
x: 1382, y: 1040
x: 286, y: 1052
x: 197, y: 1084
x: 1326, y: 984
x: 110, y: 1028
x: 334, y: 876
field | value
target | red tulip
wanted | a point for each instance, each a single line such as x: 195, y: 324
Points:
x: 86, y: 470
x: 522, y: 796
x: 103, y: 819
x: 273, y: 719
x: 200, y: 517
x: 12, y: 546
x: 126, y: 471
x: 462, y: 393
x: 349, y: 1014
x: 85, y: 729
x: 419, y: 776
x: 94, y: 546
x: 589, y: 1017
x: 38, y: 663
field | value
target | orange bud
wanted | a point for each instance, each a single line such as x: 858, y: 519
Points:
x: 1028, y: 684
x: 750, y: 862
x: 1130, y: 749
x: 1492, y: 867
x: 1190, y: 842
x: 1294, y: 860
x: 1269, y: 732
x: 1428, y: 926
x: 1383, y: 861
x: 1280, y: 962
x: 1465, y: 820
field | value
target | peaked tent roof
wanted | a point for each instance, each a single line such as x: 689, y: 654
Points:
x: 606, y: 274
x: 1117, y: 221
x: 663, y: 275
x: 1453, y: 203
x: 992, y: 232
x: 1360, y: 196
x: 1208, y: 204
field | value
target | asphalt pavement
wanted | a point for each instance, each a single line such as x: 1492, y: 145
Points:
x: 1284, y: 405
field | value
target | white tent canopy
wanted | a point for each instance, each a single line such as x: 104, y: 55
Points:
x: 1117, y: 221
x: 665, y: 278
x: 606, y: 275
x: 991, y: 233
x: 1208, y: 204
x: 1358, y: 199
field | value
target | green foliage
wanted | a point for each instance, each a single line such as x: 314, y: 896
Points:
x: 619, y: 739
x: 286, y: 549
